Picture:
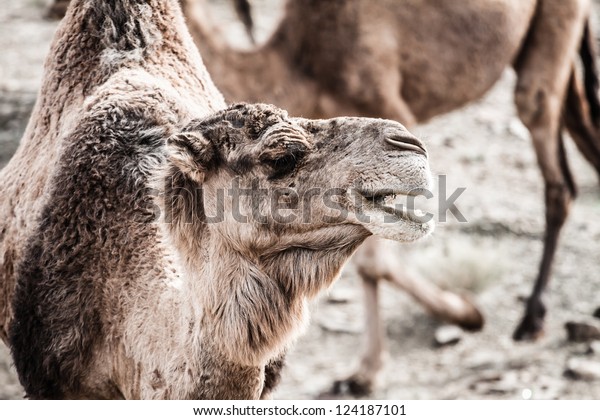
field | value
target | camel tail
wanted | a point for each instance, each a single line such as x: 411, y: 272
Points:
x: 587, y: 53
x: 243, y: 8
x: 582, y: 104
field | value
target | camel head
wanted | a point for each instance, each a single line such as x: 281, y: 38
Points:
x: 268, y: 181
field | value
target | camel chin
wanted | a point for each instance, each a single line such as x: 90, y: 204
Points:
x: 380, y: 211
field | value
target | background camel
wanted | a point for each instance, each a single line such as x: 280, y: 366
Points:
x: 352, y: 57
x: 101, y: 299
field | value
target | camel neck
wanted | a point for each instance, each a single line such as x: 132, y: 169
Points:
x: 247, y: 303
x: 224, y: 292
x: 290, y: 36
x: 209, y: 39
x: 238, y: 310
x: 245, y: 314
x: 254, y: 305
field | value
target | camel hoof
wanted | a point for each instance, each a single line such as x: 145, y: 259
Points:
x: 57, y: 10
x: 474, y: 319
x: 531, y: 327
x: 459, y: 310
x: 352, y: 386
x: 529, y: 331
x: 54, y: 13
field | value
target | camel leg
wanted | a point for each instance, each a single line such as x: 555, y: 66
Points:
x: 376, y: 261
x: 373, y: 91
x: 544, y: 69
x: 383, y: 102
x: 441, y: 304
x: 362, y: 381
x: 559, y: 195
x: 386, y: 100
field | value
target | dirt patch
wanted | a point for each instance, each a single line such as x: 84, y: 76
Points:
x: 483, y: 148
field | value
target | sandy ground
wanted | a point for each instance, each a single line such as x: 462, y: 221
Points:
x: 483, y: 148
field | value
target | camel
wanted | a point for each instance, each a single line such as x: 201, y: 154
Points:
x: 413, y: 61
x: 141, y: 255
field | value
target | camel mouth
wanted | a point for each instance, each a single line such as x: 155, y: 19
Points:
x: 384, y: 208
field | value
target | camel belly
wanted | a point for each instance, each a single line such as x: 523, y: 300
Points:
x: 452, y: 54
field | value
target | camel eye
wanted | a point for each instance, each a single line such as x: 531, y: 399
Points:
x: 282, y: 165
x: 282, y: 159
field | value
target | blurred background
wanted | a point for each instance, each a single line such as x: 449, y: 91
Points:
x: 494, y: 256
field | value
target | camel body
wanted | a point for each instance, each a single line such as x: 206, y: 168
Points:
x: 375, y: 51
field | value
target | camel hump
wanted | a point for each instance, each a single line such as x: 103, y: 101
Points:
x: 117, y: 26
x: 117, y: 32
x: 127, y: 27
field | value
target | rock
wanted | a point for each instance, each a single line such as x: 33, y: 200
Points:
x: 579, y: 332
x: 447, y: 335
x: 449, y: 142
x: 485, y: 359
x: 582, y: 369
x: 338, y: 322
x: 337, y: 297
x: 517, y: 129
x: 497, y: 383
x: 597, y: 313
x: 594, y: 347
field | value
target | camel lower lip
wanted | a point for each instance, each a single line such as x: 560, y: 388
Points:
x: 396, y: 224
x: 382, y: 201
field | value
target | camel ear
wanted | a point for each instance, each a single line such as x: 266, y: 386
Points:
x: 192, y: 153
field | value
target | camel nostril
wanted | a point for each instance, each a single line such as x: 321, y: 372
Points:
x: 407, y: 143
